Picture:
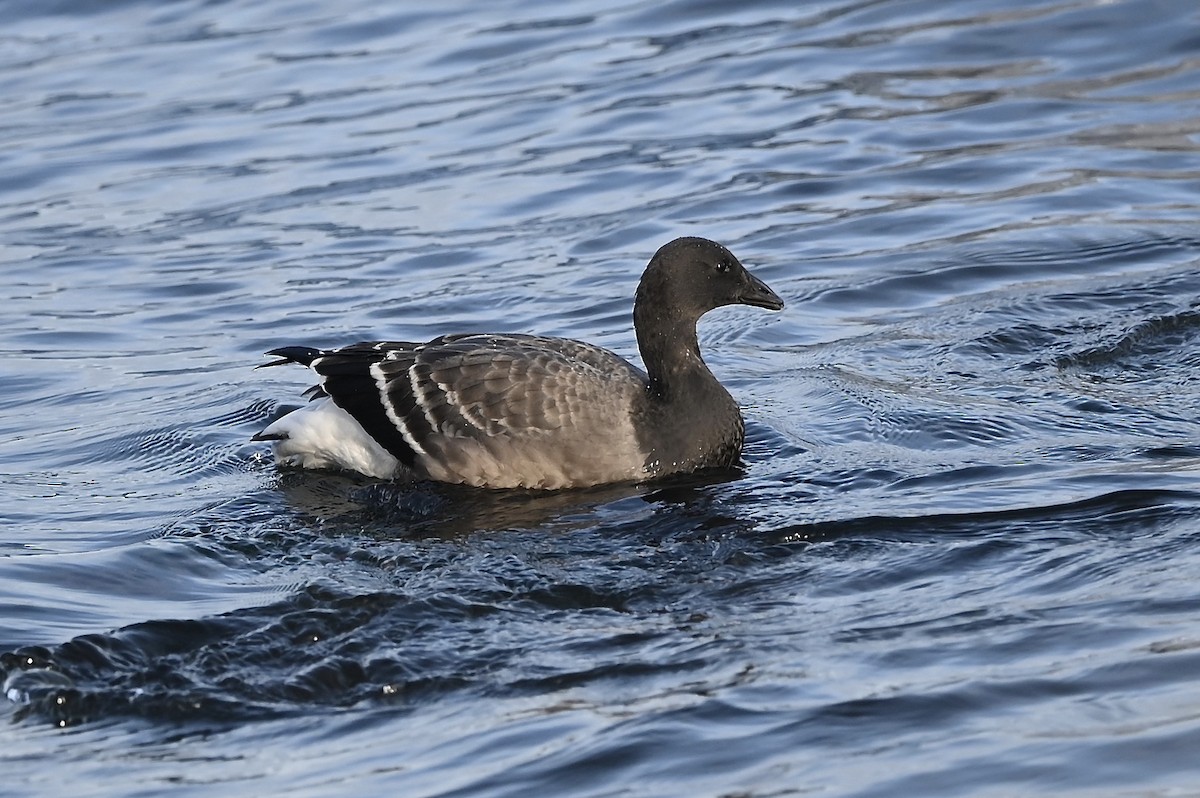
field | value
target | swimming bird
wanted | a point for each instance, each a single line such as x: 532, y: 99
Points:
x: 526, y: 411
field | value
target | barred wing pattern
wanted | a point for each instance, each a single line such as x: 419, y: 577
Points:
x: 498, y: 410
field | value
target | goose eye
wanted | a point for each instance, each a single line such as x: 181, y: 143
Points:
x: 723, y: 266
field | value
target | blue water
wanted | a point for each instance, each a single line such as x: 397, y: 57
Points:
x: 963, y: 556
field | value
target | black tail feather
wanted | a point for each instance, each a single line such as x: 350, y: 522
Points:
x: 304, y: 355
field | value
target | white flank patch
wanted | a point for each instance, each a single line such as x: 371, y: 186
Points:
x: 381, y: 382
x: 323, y: 435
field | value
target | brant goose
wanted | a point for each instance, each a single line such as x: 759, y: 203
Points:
x: 525, y: 411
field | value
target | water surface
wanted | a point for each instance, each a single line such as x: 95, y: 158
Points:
x: 961, y: 558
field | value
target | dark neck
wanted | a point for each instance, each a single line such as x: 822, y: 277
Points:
x: 690, y: 420
x: 670, y: 350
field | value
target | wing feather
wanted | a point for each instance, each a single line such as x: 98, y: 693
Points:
x: 464, y: 403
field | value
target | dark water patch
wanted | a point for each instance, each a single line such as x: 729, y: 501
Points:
x: 1140, y: 350
x: 523, y: 614
x: 322, y: 647
x: 1148, y: 508
x: 1172, y: 452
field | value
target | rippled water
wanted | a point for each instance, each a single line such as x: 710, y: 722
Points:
x: 962, y: 558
